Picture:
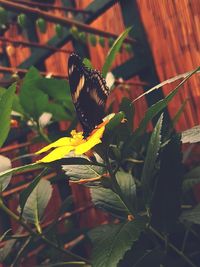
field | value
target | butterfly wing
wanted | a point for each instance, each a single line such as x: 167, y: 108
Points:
x: 89, y: 93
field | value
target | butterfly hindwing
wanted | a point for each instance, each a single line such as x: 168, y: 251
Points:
x: 89, y: 93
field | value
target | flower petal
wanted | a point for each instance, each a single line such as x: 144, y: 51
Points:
x: 92, y: 141
x: 64, y: 141
x: 56, y: 154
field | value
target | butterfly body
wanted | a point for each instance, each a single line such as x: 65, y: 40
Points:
x: 89, y: 93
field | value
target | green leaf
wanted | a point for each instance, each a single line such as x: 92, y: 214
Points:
x: 6, y: 249
x: 87, y: 63
x: 37, y: 202
x: 58, y: 112
x: 33, y: 101
x: 16, y: 106
x: 32, y: 74
x: 58, y: 90
x: 37, y: 165
x: 184, y: 76
x: 191, y: 178
x: 191, y: 135
x: 77, y: 172
x: 128, y: 110
x: 158, y: 107
x: 192, y: 216
x: 148, y: 170
x: 5, y: 164
x: 110, y: 201
x: 6, y: 103
x: 112, y: 241
x: 24, y: 195
x: 179, y: 113
x: 33, y: 166
x: 113, y: 51
x: 113, y: 123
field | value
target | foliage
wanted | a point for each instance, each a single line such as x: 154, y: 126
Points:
x: 136, y: 176
x: 6, y: 102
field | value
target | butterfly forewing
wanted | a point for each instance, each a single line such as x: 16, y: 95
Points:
x: 89, y: 93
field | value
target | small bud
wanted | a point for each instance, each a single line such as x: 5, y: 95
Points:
x: 42, y: 26
x: 102, y: 41
x: 74, y: 32
x: 59, y: 30
x: 22, y: 20
x: 92, y: 39
x: 82, y: 36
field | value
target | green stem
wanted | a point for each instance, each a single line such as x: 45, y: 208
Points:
x: 179, y: 252
x: 43, y: 134
x: 66, y: 263
x: 185, y: 238
x: 38, y: 235
x: 21, y: 251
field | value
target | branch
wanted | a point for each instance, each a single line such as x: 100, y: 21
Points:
x: 38, y: 235
x: 58, y: 19
x: 180, y: 253
x: 33, y: 44
x: 67, y: 9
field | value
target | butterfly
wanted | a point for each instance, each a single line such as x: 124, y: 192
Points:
x: 89, y: 93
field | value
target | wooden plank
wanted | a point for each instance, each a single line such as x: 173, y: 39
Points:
x: 143, y: 64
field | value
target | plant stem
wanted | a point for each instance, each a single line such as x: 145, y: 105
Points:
x: 175, y: 249
x: 21, y: 251
x: 38, y: 235
x: 185, y: 238
x: 43, y: 135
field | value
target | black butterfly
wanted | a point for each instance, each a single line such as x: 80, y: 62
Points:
x: 89, y: 93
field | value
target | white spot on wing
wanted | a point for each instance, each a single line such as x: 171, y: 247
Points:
x: 79, y: 88
x: 94, y: 95
x: 71, y: 69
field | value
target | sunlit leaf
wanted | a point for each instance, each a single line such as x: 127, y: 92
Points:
x: 37, y: 202
x: 24, y: 195
x: 191, y: 135
x: 184, y: 76
x: 192, y: 216
x: 87, y: 63
x: 110, y: 201
x: 33, y: 166
x: 6, y: 102
x: 158, y: 107
x: 113, y: 51
x: 77, y: 172
x: 5, y: 164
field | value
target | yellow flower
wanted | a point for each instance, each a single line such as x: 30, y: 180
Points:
x: 75, y: 143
